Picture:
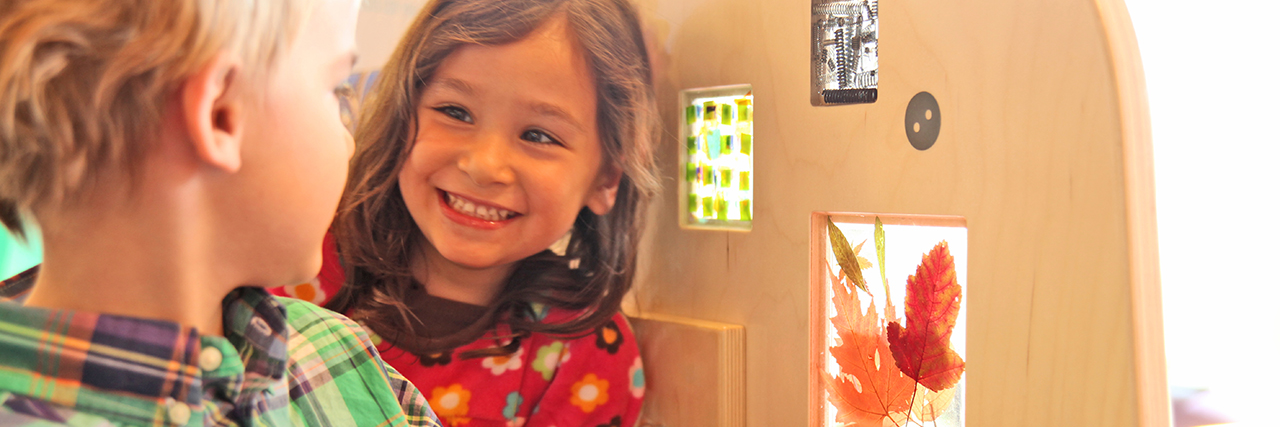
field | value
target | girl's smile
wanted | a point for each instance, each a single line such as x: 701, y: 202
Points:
x: 472, y: 213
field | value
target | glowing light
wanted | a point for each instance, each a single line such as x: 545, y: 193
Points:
x: 717, y: 158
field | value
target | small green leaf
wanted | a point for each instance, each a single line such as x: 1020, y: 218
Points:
x: 845, y: 256
x: 879, y: 236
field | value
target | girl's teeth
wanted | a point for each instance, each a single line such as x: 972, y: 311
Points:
x: 482, y: 212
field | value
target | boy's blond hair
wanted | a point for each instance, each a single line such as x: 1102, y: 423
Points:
x: 83, y: 83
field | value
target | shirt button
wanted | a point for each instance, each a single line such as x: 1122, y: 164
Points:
x: 210, y: 358
x: 179, y: 413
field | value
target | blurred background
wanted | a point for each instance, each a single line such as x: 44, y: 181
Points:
x: 1213, y: 91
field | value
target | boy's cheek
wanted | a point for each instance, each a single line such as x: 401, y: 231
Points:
x: 351, y: 145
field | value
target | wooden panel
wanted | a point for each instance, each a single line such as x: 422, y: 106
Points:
x: 693, y: 372
x: 1044, y: 150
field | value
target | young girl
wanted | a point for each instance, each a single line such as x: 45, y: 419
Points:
x: 497, y: 128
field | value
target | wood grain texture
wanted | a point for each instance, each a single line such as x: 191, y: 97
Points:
x: 1044, y: 149
x: 1135, y: 123
x: 693, y: 372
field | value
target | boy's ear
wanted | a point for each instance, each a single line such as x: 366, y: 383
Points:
x: 604, y: 192
x: 214, y: 113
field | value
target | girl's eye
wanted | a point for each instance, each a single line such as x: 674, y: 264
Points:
x: 539, y: 137
x: 456, y: 113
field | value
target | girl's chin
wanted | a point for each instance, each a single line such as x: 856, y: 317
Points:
x: 475, y: 259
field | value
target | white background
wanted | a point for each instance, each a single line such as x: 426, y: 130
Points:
x: 1215, y: 115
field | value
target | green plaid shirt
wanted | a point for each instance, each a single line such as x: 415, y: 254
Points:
x: 282, y: 362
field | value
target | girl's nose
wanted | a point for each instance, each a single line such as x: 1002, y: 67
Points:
x: 486, y: 161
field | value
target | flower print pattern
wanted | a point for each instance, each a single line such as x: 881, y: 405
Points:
x: 514, y: 400
x: 637, y: 378
x: 438, y: 359
x: 548, y: 359
x: 609, y: 337
x: 501, y: 364
x: 589, y: 393
x: 451, y: 402
x: 310, y: 292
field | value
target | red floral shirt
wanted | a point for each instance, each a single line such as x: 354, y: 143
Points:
x: 593, y: 381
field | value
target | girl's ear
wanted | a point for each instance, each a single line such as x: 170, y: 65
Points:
x: 214, y: 116
x: 604, y: 191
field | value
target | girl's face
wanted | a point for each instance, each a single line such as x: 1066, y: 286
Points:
x: 507, y: 150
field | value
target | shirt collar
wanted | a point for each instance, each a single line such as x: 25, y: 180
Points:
x: 93, y: 362
x: 255, y: 323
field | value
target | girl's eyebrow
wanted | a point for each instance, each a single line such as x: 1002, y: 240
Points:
x: 545, y: 109
x: 539, y: 107
x: 456, y: 84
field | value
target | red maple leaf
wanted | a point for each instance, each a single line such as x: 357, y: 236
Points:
x: 869, y: 387
x: 922, y: 350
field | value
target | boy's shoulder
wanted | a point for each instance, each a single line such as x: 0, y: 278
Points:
x: 63, y: 367
x: 304, y: 315
x: 132, y: 363
x: 22, y: 411
x: 320, y: 337
x: 321, y: 328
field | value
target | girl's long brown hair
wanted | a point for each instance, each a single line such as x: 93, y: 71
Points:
x: 377, y: 238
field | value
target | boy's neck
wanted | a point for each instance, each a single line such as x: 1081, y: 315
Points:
x: 445, y: 279
x: 105, y: 284
x: 150, y: 257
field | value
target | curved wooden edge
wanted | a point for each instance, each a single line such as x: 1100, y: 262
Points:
x: 1135, y: 120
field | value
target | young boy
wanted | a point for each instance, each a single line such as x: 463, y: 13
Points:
x: 178, y: 155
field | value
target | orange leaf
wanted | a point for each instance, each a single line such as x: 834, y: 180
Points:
x: 922, y: 350
x: 869, y: 387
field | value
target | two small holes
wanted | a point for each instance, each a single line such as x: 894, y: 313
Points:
x: 923, y: 121
x: 928, y: 115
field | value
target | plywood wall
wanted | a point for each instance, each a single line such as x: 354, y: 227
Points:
x: 1044, y: 149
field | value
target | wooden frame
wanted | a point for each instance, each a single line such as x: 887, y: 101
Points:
x: 686, y: 97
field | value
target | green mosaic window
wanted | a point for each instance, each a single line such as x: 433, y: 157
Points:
x: 716, y: 188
